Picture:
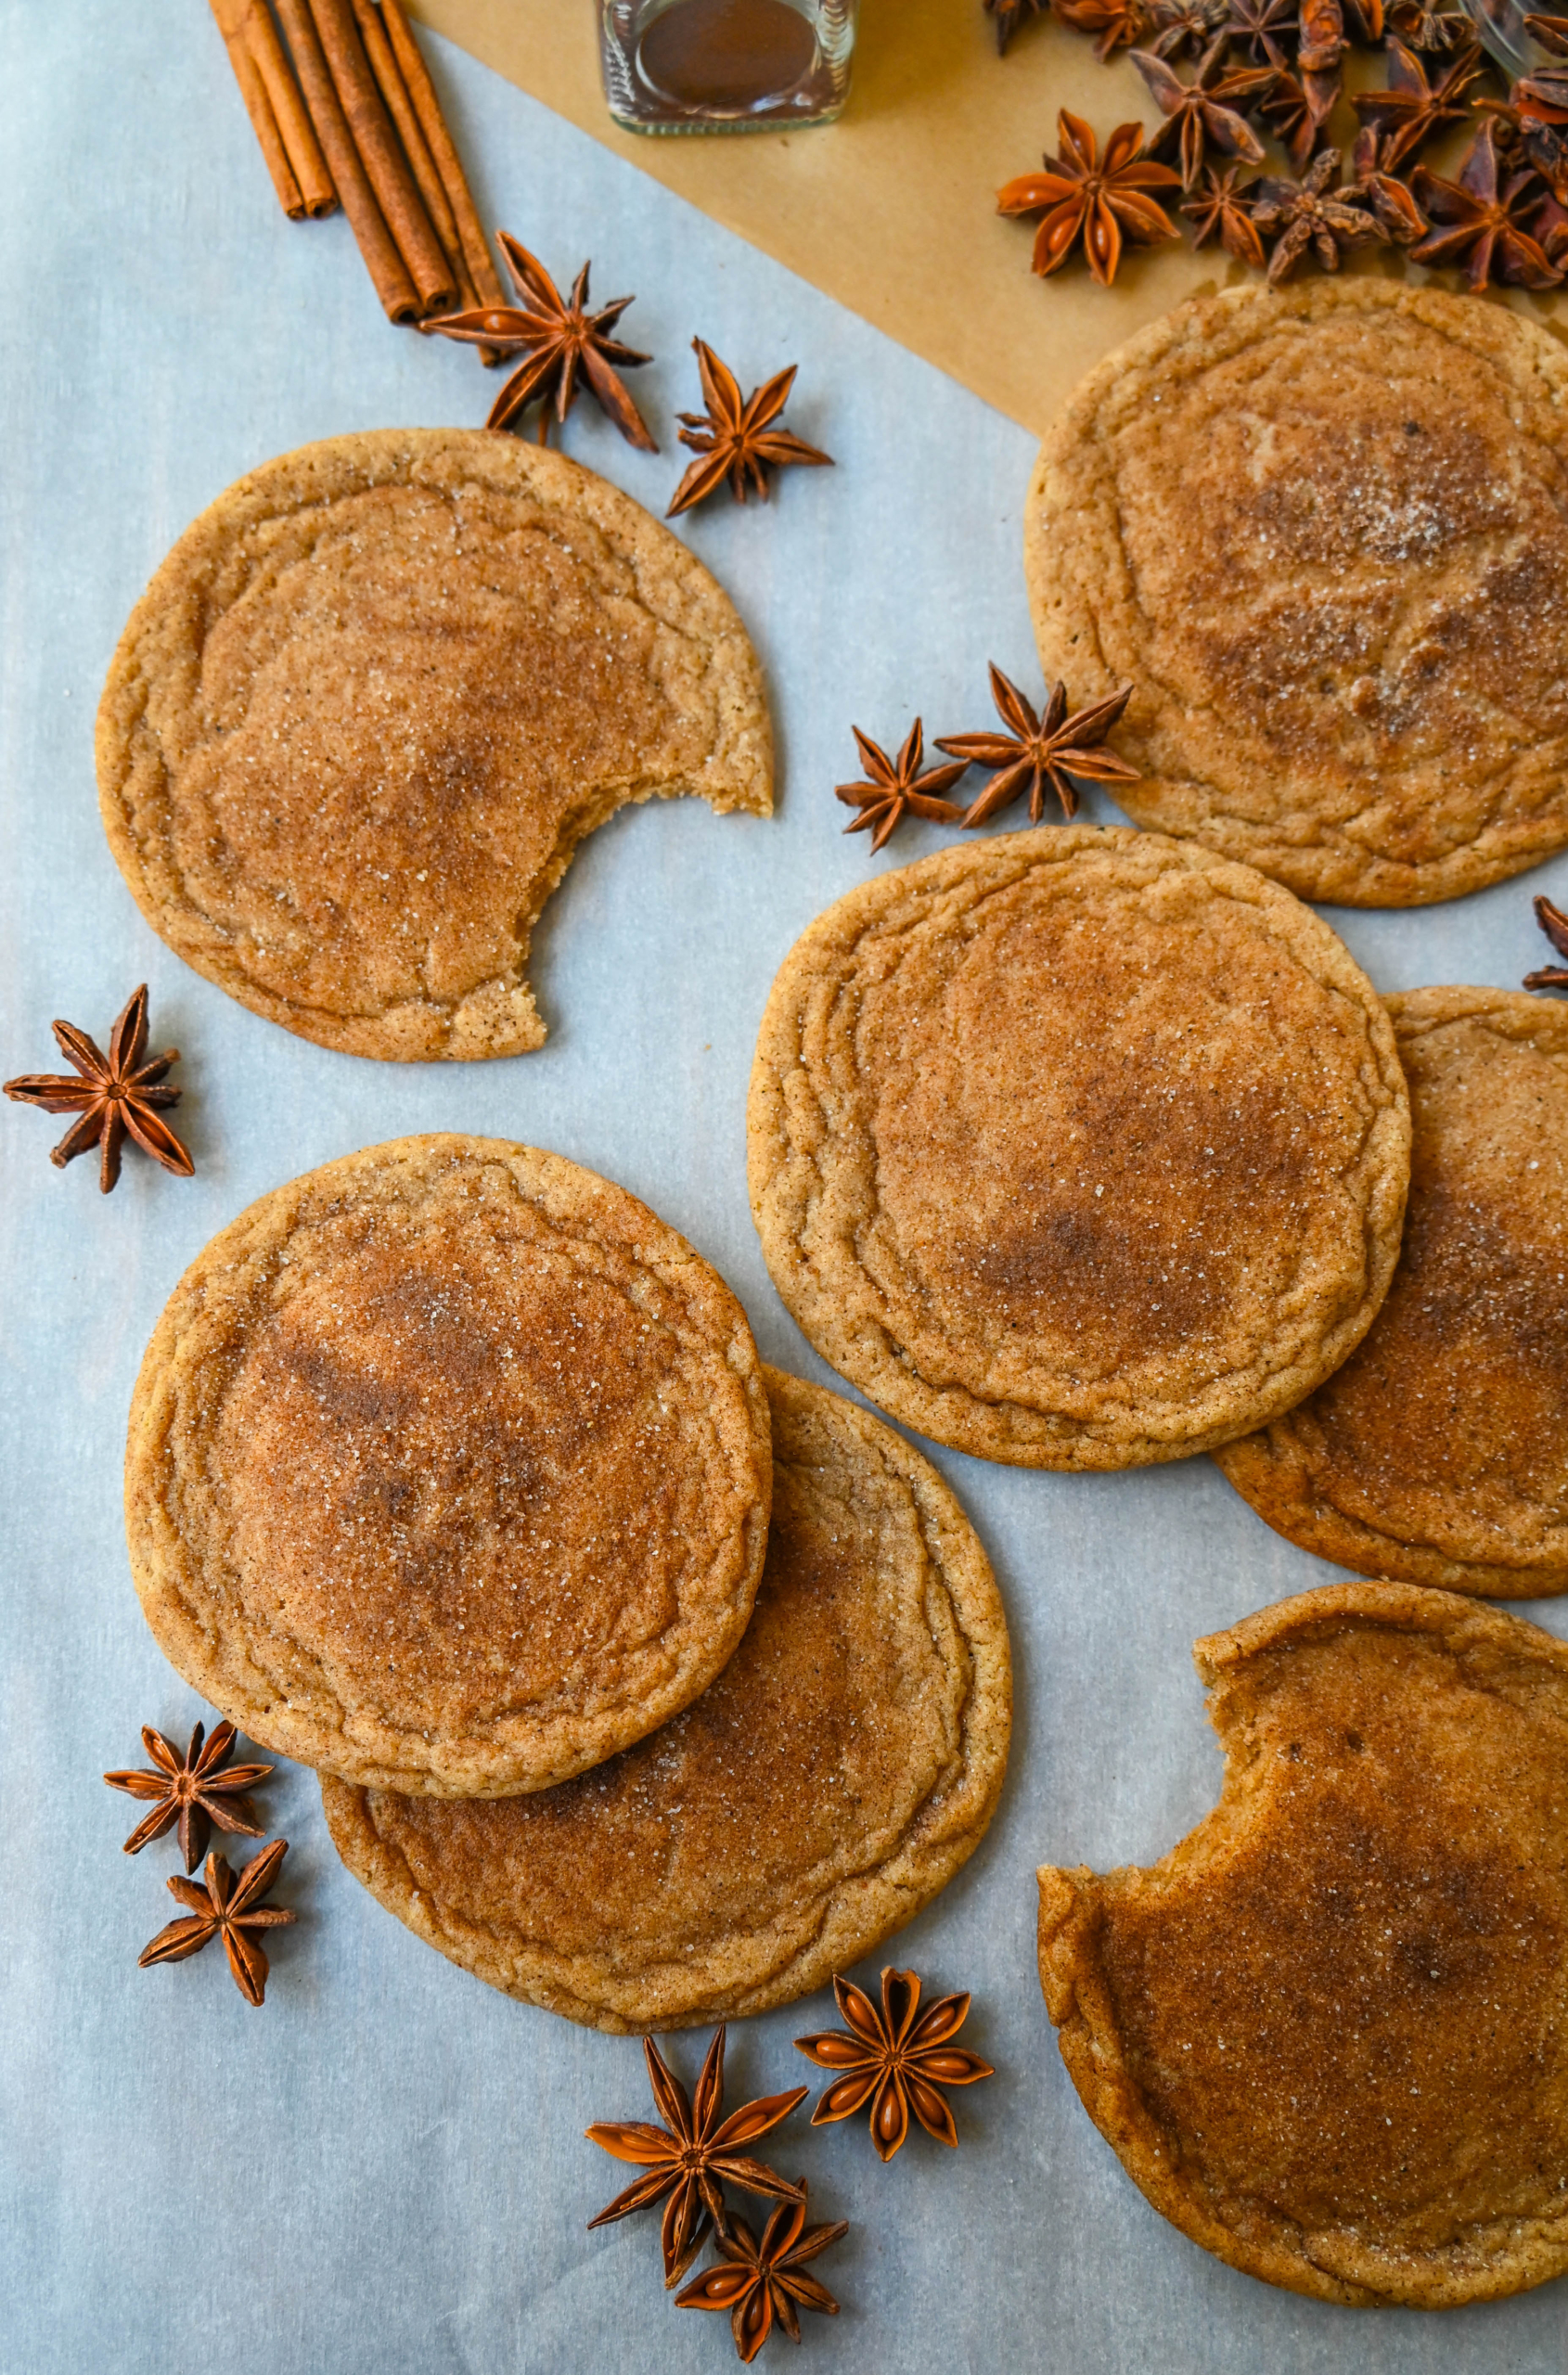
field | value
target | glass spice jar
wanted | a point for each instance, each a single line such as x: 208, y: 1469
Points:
x: 725, y: 65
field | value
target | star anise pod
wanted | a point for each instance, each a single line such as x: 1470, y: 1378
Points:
x: 1313, y: 213
x: 1399, y: 217
x: 1266, y: 29
x: 691, y: 2157
x: 734, y: 438
x: 1544, y: 145
x: 897, y: 785
x: 191, y: 1791
x: 1116, y: 23
x: 1010, y: 15
x: 1101, y: 204
x: 1554, y: 923
x: 1184, y: 26
x: 893, y: 2062
x: 1551, y: 32
x: 1427, y: 25
x: 1036, y: 753
x: 1196, y: 115
x: 1363, y: 22
x: 223, y: 1907
x: 1290, y: 111
x: 757, y: 2282
x: 1544, y: 95
x: 113, y: 1094
x: 560, y: 338
x: 1320, y: 55
x: 1486, y: 221
x: 1222, y: 210
x: 1414, y: 107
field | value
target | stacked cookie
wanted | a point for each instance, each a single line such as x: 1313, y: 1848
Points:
x: 451, y: 1471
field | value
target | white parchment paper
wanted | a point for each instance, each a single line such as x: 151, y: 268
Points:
x: 385, y: 2168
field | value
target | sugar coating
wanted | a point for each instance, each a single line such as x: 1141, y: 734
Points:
x: 1077, y: 1148
x: 1439, y: 1452
x: 448, y: 1467
x: 1324, y: 533
x: 833, y: 1778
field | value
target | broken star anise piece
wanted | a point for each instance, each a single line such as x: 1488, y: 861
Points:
x: 1115, y: 23
x: 223, y: 1907
x: 1427, y: 25
x: 734, y: 438
x: 1290, y: 111
x: 1036, y: 753
x: 893, y: 2062
x: 897, y: 785
x: 1313, y: 213
x: 692, y: 2155
x: 1196, y: 115
x: 1485, y: 220
x: 1400, y: 218
x: 1010, y: 15
x: 1188, y: 26
x: 1554, y: 923
x: 113, y: 1094
x: 193, y: 1790
x: 1222, y: 210
x: 1266, y: 29
x: 757, y: 2282
x: 560, y: 338
x: 1102, y: 203
x: 1414, y: 106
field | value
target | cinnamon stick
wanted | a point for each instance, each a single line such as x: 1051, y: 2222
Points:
x: 258, y: 107
x: 399, y: 298
x: 402, y: 207
x: 304, y: 149
x: 426, y: 107
x: 400, y: 107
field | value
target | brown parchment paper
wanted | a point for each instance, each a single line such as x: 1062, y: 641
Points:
x: 891, y: 209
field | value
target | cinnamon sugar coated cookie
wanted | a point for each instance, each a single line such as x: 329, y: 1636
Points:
x: 1439, y: 1452
x: 833, y: 1779
x: 371, y: 703
x: 1328, y: 2034
x: 1077, y: 1148
x: 449, y: 1469
x: 1323, y: 532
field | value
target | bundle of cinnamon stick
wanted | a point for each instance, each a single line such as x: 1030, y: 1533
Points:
x: 347, y: 114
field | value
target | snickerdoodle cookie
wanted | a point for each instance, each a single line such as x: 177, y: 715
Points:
x: 832, y: 1779
x: 1078, y: 1148
x: 448, y: 1468
x: 1328, y: 2034
x: 1323, y: 530
x: 1439, y: 1452
x: 371, y: 703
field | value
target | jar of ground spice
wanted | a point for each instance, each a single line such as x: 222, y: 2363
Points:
x: 725, y: 65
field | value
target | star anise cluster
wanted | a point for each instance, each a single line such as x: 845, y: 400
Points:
x: 1036, y: 753
x: 896, y: 2062
x: 1228, y: 76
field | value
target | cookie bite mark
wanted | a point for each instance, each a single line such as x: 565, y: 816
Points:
x: 371, y: 703
x: 1325, y: 2034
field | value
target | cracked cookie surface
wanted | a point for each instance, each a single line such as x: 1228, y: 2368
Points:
x: 371, y: 704
x: 1439, y: 1452
x: 448, y: 1468
x: 1077, y: 1149
x: 1328, y: 2034
x: 1324, y: 533
x: 824, y: 1788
